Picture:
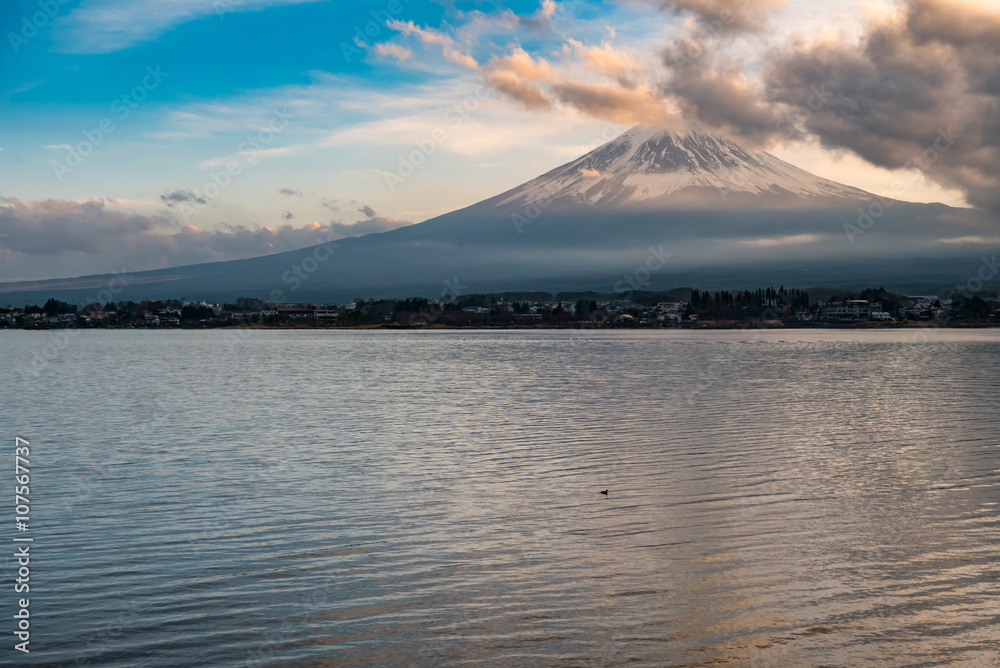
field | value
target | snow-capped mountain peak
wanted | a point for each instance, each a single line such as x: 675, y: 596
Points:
x: 649, y: 163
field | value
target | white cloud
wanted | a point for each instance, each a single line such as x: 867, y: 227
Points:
x: 430, y: 36
x: 980, y: 240
x: 257, y: 156
x: 789, y: 240
x: 393, y: 51
x: 849, y: 169
x: 460, y: 58
x: 105, y: 26
x: 495, y: 128
x: 72, y: 238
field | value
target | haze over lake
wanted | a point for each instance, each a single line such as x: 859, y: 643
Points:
x: 431, y: 498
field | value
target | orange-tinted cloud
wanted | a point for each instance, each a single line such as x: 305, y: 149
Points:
x: 516, y: 74
x: 921, y: 90
x: 718, y: 16
x: 612, y: 102
x: 430, y: 36
x: 393, y: 51
x: 605, y: 60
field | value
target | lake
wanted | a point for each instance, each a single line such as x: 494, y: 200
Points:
x: 431, y: 498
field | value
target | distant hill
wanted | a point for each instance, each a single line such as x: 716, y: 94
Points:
x: 651, y: 209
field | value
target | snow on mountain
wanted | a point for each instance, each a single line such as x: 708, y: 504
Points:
x: 603, y: 214
x: 648, y: 163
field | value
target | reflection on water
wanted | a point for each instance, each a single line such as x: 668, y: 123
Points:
x: 431, y: 498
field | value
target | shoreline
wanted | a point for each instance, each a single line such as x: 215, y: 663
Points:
x: 701, y: 326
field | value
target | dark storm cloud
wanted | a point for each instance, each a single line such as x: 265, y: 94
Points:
x: 720, y: 15
x: 289, y: 192
x: 922, y: 92
x: 288, y: 215
x: 715, y: 91
x: 63, y: 238
x: 179, y: 196
x: 367, y: 210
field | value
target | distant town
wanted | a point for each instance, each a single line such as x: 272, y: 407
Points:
x: 681, y: 308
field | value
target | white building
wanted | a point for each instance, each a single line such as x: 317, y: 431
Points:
x: 325, y: 315
x: 852, y: 310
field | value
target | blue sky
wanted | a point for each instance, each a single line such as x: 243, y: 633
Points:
x: 140, y: 105
x: 226, y: 67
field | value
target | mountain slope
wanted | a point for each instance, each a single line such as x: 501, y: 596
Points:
x: 646, y: 164
x: 721, y: 213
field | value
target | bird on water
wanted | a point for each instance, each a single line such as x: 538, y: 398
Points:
x: 605, y: 492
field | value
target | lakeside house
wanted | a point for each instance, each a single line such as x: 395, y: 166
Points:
x: 296, y: 312
x: 853, y: 310
x: 671, y: 307
x: 491, y: 310
x: 327, y: 316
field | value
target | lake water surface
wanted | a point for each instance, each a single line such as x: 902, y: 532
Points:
x: 364, y: 498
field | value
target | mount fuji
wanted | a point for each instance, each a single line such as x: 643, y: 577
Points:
x: 654, y: 167
x: 712, y: 212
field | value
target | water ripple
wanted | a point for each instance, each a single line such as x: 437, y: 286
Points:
x: 430, y: 498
